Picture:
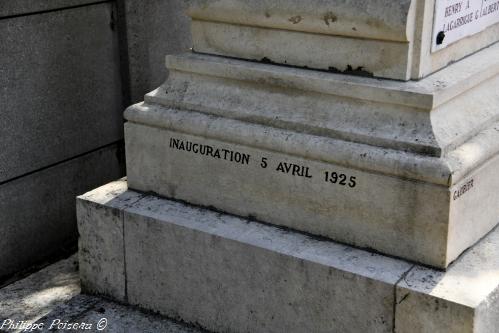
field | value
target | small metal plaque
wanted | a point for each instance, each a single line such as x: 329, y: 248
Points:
x: 457, y: 19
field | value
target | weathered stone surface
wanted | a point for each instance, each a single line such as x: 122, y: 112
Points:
x: 378, y: 19
x: 391, y: 215
x: 152, y: 31
x: 411, y: 159
x: 333, y: 53
x: 60, y: 87
x: 101, y: 244
x: 464, y: 299
x: 230, y: 274
x: 429, y: 117
x: 380, y: 38
x: 38, y: 212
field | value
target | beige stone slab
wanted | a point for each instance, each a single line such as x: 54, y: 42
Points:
x: 411, y: 145
x: 101, y: 245
x: 399, y: 34
x: 377, y: 159
x: 376, y: 19
x: 332, y: 53
x: 432, y: 116
x: 230, y: 274
x: 393, y: 215
x: 475, y: 193
x: 426, y: 94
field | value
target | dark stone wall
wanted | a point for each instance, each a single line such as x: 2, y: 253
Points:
x: 68, y: 69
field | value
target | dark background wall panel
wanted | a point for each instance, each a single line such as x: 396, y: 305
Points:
x: 38, y: 212
x: 152, y: 31
x: 68, y: 69
x: 60, y: 87
x: 20, y: 7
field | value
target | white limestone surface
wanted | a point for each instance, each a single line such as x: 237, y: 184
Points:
x: 464, y: 299
x: 392, y: 215
x: 102, y: 271
x: 230, y: 274
x: 399, y: 167
x: 377, y: 19
x: 390, y: 39
x: 377, y: 112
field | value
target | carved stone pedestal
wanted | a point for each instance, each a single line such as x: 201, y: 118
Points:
x: 229, y: 274
x: 303, y: 165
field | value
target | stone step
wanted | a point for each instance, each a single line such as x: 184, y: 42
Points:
x: 229, y: 274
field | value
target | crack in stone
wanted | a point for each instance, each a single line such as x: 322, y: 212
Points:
x: 395, y: 303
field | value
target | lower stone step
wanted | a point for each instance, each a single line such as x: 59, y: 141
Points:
x: 228, y: 274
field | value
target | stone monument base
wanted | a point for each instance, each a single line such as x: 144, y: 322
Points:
x: 229, y: 274
x: 407, y: 169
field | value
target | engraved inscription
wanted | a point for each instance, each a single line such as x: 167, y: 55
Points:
x: 294, y: 169
x: 210, y: 151
x: 463, y: 189
x: 282, y: 167
x: 457, y: 19
x: 340, y: 179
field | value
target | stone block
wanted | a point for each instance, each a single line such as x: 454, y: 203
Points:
x: 101, y: 244
x: 60, y: 87
x: 231, y: 275
x: 378, y: 38
x: 464, y: 299
x: 331, y: 53
x: 226, y: 273
x: 398, y: 167
x: 37, y: 211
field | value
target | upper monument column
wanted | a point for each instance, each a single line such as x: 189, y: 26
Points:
x: 405, y: 39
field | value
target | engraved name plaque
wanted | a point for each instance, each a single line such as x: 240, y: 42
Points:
x: 457, y: 19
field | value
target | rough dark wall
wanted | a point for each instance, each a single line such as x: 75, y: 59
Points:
x: 68, y: 69
x: 153, y: 29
